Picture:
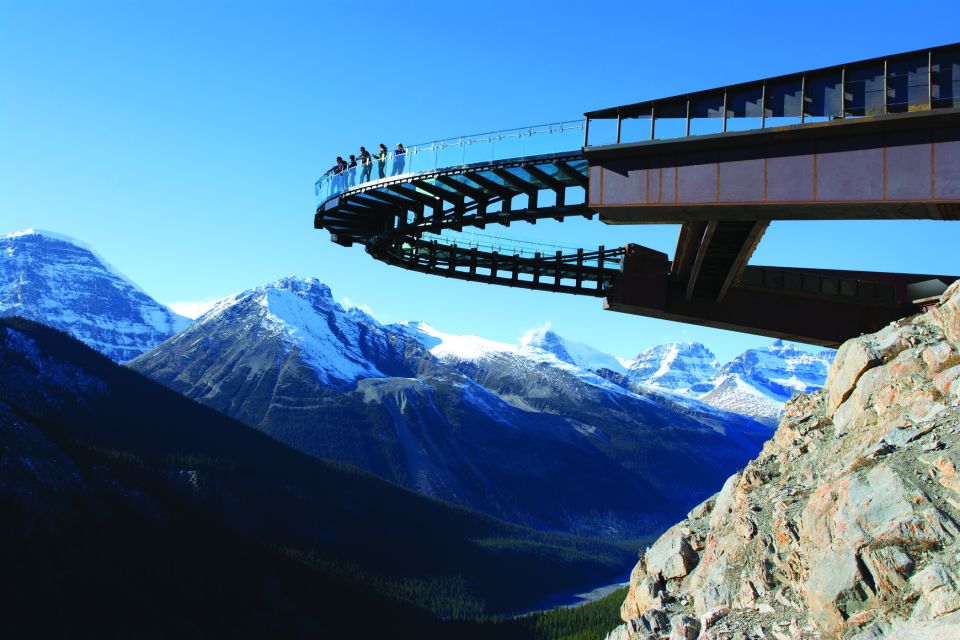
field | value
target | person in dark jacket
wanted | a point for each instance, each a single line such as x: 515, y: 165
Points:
x: 366, y: 165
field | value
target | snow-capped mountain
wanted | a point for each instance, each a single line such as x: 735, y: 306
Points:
x: 759, y: 381
x: 62, y: 283
x: 781, y: 370
x: 756, y: 383
x: 511, y: 430
x: 575, y: 353
x: 678, y: 366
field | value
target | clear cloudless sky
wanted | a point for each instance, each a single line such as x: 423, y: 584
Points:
x: 181, y: 139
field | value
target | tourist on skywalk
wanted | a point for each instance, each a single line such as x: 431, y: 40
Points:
x: 399, y: 159
x: 351, y: 171
x: 366, y: 165
x: 382, y: 160
x: 336, y: 180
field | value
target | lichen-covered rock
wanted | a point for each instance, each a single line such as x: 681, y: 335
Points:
x: 846, y: 524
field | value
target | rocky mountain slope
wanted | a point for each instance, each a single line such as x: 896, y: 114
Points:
x: 511, y: 430
x: 58, y: 281
x: 845, y: 525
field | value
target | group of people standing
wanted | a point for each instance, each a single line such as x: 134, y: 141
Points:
x: 344, y: 172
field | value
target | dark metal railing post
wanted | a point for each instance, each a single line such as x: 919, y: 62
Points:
x: 556, y: 279
x: 763, y: 105
x: 803, y: 97
x: 619, y: 124
x: 724, y: 110
x: 886, y: 90
x: 579, y: 268
x: 600, y: 257
x: 843, y: 93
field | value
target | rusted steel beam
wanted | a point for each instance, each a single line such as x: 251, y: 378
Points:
x: 702, y: 247
x: 687, y: 244
x: 743, y: 256
x: 901, y: 166
x: 809, y: 305
x: 575, y: 176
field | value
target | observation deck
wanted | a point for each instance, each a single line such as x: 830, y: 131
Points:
x: 873, y: 139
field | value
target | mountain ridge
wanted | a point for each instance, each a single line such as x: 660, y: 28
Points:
x: 511, y: 430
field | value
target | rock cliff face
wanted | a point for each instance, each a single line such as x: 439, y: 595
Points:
x: 845, y: 526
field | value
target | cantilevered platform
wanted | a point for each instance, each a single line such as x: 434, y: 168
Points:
x: 875, y: 139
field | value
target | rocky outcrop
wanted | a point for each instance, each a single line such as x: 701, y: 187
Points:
x: 846, y: 525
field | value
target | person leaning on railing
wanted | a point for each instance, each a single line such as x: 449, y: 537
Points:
x: 366, y: 165
x: 336, y: 178
x: 352, y: 171
x: 382, y: 160
x: 399, y: 159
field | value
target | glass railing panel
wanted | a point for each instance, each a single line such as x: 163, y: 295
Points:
x: 668, y: 128
x: 744, y: 123
x: 634, y: 130
x: 456, y: 152
x: 705, y: 126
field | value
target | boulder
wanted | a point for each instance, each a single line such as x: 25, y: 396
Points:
x: 853, y: 358
x: 684, y: 628
x: 671, y: 556
x: 937, y: 585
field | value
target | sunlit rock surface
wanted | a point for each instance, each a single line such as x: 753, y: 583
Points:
x: 845, y: 525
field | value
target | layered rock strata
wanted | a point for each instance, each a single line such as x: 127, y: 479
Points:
x: 845, y: 526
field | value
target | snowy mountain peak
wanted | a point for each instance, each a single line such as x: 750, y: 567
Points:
x: 678, y: 366
x: 569, y: 351
x: 298, y: 318
x: 305, y: 287
x: 61, y: 282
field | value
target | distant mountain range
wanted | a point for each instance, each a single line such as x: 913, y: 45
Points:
x: 509, y: 430
x: 549, y: 433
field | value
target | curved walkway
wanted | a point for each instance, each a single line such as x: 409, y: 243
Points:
x: 391, y: 215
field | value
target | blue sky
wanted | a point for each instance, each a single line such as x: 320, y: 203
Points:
x: 182, y: 139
